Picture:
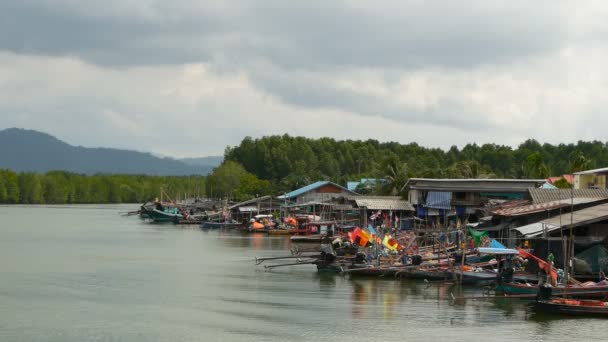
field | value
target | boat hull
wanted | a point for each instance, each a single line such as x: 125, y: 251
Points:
x: 578, y: 292
x: 583, y: 308
x: 218, y: 225
x: 161, y: 216
x: 278, y: 232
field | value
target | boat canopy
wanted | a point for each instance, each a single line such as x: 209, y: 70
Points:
x: 500, y: 251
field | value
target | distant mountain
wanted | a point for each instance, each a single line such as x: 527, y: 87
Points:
x: 33, y: 151
x: 211, y: 161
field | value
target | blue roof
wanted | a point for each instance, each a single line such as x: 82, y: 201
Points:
x: 372, y: 181
x: 308, y: 188
x: 352, y: 185
x: 548, y: 186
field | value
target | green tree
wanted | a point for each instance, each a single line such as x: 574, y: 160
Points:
x: 231, y: 180
x: 30, y: 188
x: 11, y: 184
x: 3, y: 193
x: 562, y: 184
x: 578, y: 162
x: 535, y: 167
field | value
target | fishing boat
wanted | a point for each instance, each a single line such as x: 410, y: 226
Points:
x: 164, y: 212
x: 314, y: 232
x: 261, y: 224
x: 583, y: 290
x: 279, y: 231
x: 572, y: 307
x: 220, y: 225
x: 546, y: 303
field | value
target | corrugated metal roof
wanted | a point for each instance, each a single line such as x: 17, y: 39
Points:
x: 551, y: 195
x: 473, y: 185
x: 253, y: 200
x: 311, y: 187
x: 590, y: 172
x: 536, y: 229
x: 334, y: 206
x: 540, y: 207
x: 384, y: 203
x: 579, y: 218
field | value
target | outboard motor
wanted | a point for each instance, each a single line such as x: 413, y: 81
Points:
x: 327, y: 254
x: 360, y: 258
x: 544, y: 291
x: 506, y: 275
x: 416, y: 260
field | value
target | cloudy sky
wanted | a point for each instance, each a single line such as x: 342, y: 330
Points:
x: 188, y: 77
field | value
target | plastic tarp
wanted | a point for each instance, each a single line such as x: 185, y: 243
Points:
x: 439, y: 200
x: 496, y: 244
x: 477, y: 235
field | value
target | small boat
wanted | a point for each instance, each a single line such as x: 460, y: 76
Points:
x: 278, y: 231
x: 545, y: 303
x: 473, y: 277
x: 165, y: 214
x: 584, y: 290
x: 261, y: 224
x: 220, y: 225
x: 572, y: 307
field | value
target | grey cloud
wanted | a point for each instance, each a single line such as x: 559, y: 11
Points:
x: 309, y: 90
x: 311, y: 34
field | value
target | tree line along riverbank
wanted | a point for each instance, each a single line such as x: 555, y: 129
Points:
x: 278, y: 164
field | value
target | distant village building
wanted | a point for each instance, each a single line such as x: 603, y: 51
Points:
x: 321, y: 191
x: 567, y: 177
x: 591, y: 179
x: 438, y: 197
x: 368, y: 183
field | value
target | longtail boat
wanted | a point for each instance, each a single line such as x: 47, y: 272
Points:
x: 584, y: 290
x: 278, y: 231
x: 572, y: 307
x: 546, y: 303
x: 219, y: 225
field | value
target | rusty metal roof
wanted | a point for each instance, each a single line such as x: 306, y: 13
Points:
x: 579, y: 218
x: 552, y: 195
x: 540, y: 207
x: 383, y: 203
x: 472, y: 185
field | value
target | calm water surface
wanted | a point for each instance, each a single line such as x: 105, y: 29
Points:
x: 84, y: 273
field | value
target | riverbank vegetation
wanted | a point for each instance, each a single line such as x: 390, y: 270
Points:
x: 60, y: 187
x: 278, y: 164
x: 290, y: 162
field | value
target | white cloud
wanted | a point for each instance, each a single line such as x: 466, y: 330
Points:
x: 189, y: 78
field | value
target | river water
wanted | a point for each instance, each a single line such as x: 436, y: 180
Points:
x: 85, y: 273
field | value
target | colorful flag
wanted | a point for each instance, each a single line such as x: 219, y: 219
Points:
x: 390, y: 243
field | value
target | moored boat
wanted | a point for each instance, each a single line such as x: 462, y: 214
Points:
x: 572, y: 307
x: 165, y: 214
x: 584, y: 290
x: 546, y: 303
x: 278, y: 231
x: 220, y: 225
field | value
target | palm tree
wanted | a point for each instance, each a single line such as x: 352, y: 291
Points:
x: 396, y: 176
x: 579, y: 162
